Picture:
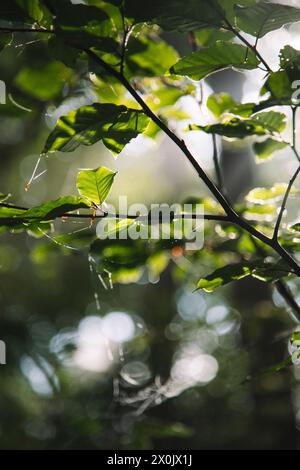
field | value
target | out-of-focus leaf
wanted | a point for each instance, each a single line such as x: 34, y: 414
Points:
x: 147, y: 57
x: 263, y: 18
x: 59, y: 50
x: 11, y: 10
x: 259, y: 124
x: 279, y: 86
x: 267, y: 272
x: 219, y: 103
x: 266, y: 149
x: 85, y: 26
x: 114, y: 125
x: 209, y: 36
x: 5, y: 40
x: 123, y: 259
x: 173, y: 15
x: 158, y: 262
x: 45, y: 82
x: 95, y: 184
x: 290, y: 62
x: 223, y: 276
x: 295, y: 227
x: 91, y: 19
x: 261, y: 195
x: 9, y: 213
x: 33, y: 8
x: 211, y: 59
x: 265, y: 212
x: 271, y: 272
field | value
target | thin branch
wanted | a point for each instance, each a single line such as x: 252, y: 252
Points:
x: 286, y: 293
x: 294, y: 137
x: 284, y: 202
x: 281, y: 287
x: 291, y: 182
x: 124, y: 40
x: 217, y: 164
x: 247, y: 43
x: 7, y: 29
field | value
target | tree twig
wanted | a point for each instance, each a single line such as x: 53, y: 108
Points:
x: 286, y: 293
x: 217, y: 164
x: 8, y: 29
x: 291, y: 182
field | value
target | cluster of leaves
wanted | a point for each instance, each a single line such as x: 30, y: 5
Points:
x: 116, y: 47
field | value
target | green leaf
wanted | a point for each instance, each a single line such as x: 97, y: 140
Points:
x: 220, y: 103
x: 264, y: 271
x: 114, y: 125
x: 295, y: 339
x: 145, y: 57
x: 72, y: 18
x: 45, y: 82
x: 259, y: 124
x: 52, y: 209
x: 261, y: 195
x: 290, y: 62
x: 265, y: 212
x: 271, y: 121
x: 266, y: 149
x: 85, y: 26
x: 173, y: 15
x: 262, y: 18
x: 33, y: 9
x: 271, y: 272
x: 9, y: 212
x: 5, y: 40
x: 211, y: 59
x: 295, y: 227
x: 279, y: 85
x: 209, y: 36
x: 59, y: 50
x: 95, y: 184
x: 223, y: 276
x: 10, y: 10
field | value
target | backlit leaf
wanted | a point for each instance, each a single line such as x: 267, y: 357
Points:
x: 211, y: 59
x: 114, y: 125
x: 266, y: 149
x: 262, y: 18
x: 95, y: 184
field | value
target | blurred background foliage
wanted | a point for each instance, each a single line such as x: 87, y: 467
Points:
x: 146, y: 363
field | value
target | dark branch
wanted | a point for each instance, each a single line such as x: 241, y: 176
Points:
x: 7, y: 29
x: 285, y: 292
